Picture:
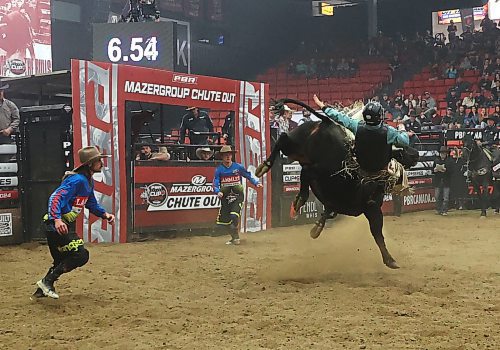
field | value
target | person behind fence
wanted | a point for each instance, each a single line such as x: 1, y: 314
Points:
x: 373, y: 146
x: 229, y: 188
x: 442, y: 169
x: 489, y: 133
x: 146, y: 153
x: 204, y: 153
x: 228, y: 128
x: 65, y: 204
x: 9, y: 120
x: 196, y: 121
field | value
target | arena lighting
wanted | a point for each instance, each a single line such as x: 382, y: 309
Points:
x: 327, y: 7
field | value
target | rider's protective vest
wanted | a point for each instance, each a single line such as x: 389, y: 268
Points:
x: 372, y: 151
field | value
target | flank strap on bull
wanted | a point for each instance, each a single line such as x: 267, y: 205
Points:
x: 394, y: 178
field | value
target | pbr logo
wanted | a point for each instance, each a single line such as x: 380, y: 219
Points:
x: 17, y: 67
x: 185, y: 79
x: 155, y: 194
x: 198, y: 180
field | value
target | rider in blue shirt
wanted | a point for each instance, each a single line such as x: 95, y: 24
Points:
x: 229, y: 188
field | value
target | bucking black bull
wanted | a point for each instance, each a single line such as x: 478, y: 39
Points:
x: 323, y: 149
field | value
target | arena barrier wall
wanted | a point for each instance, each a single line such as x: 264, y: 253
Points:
x: 100, y: 91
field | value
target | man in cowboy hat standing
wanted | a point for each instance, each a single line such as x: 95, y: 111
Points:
x: 442, y: 170
x: 489, y: 133
x: 9, y: 119
x: 228, y: 187
x: 65, y: 204
x: 196, y: 121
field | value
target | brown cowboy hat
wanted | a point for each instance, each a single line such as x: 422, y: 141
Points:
x: 201, y: 150
x: 89, y: 154
x: 224, y: 149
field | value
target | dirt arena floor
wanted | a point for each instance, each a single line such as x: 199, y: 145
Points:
x: 278, y: 290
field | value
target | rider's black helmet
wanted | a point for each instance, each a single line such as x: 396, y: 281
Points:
x: 372, y: 113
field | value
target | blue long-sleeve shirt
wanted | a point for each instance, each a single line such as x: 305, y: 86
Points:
x: 394, y: 137
x: 74, y: 193
x: 231, y: 176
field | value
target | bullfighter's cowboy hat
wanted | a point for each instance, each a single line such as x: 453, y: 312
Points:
x: 3, y: 86
x: 224, y: 149
x: 89, y: 154
x: 201, y: 150
x: 190, y: 108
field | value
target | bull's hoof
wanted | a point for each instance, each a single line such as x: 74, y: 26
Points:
x: 299, y: 202
x: 392, y: 264
x: 316, y: 230
x: 262, y: 169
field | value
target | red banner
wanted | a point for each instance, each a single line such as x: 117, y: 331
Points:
x: 25, y: 38
x: 8, y: 195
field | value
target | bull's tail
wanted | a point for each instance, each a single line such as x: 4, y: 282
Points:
x: 322, y: 117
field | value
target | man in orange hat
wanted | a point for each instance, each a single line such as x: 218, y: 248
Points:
x: 228, y: 187
x: 65, y: 204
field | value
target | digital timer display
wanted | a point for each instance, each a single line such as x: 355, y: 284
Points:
x: 148, y: 44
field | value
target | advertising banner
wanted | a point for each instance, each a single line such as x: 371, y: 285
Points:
x: 179, y: 196
x: 100, y: 91
x: 25, y: 38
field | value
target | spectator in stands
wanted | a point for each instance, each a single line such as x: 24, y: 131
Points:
x: 204, y: 153
x: 397, y: 112
x: 458, y: 122
x: 490, y: 132
x: 312, y: 69
x: 353, y: 66
x: 451, y: 72
x: 497, y: 63
x: 495, y: 87
x: 441, y: 181
x: 448, y: 120
x: 301, y: 68
x: 472, y: 119
x: 395, y: 63
x: 410, y: 102
x: 485, y: 82
x: 487, y: 67
x: 306, y: 117
x: 465, y: 64
x: 431, y: 102
x: 228, y: 128
x: 332, y: 68
x: 412, y: 125
x: 452, y: 32
x: 480, y: 98
x: 399, y: 98
x: 9, y: 119
x: 343, y: 68
x: 461, y: 86
x: 422, y: 107
x: 196, y: 121
x: 385, y: 102
x: 147, y: 154
x: 487, y: 25
x: 323, y: 69
x: 469, y: 100
x: 291, y: 68
x: 452, y: 100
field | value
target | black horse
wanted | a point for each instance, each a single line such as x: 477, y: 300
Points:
x: 324, y: 151
x: 479, y: 170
